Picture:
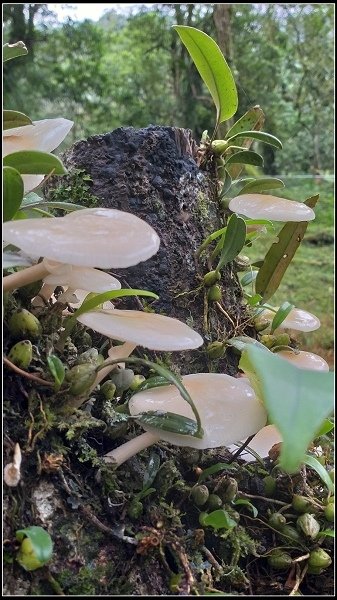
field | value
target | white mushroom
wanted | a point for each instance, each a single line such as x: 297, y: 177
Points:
x: 261, y: 443
x: 263, y: 206
x: 305, y: 360
x: 297, y: 319
x: 93, y: 237
x: 12, y: 472
x: 153, y: 331
x: 228, y: 409
x: 45, y: 135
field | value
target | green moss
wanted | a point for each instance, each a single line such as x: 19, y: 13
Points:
x: 202, y: 209
x: 76, y: 189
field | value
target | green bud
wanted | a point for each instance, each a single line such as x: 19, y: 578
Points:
x: 214, y: 293
x: 200, y: 494
x: 137, y: 380
x: 268, y: 340
x: 220, y: 162
x: 329, y: 512
x: 289, y: 532
x: 269, y: 484
x: 283, y: 339
x: 211, y: 278
x: 90, y: 356
x: 215, y: 350
x: 227, y: 489
x: 279, y: 560
x: 308, y: 525
x: 122, y: 378
x: 24, y: 323
x: 319, y: 558
x: 219, y: 146
x: 301, y: 503
x: 26, y: 556
x: 135, y: 509
x: 214, y: 502
x: 108, y: 390
x: 21, y: 354
x: 277, y: 521
x: 81, y: 378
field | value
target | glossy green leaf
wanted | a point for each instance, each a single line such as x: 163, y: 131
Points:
x: 261, y: 185
x: 13, y: 118
x: 214, y: 469
x: 34, y: 162
x: 326, y: 533
x: 314, y: 464
x: 245, y: 157
x: 98, y: 299
x: 57, y: 369
x: 227, y: 184
x: 297, y: 400
x: 242, y: 501
x: 254, y: 299
x: 253, y: 119
x: 150, y: 383
x: 12, y: 192
x: 212, y: 68
x: 325, y: 428
x: 280, y: 255
x: 261, y: 136
x: 248, y: 278
x: 40, y: 539
x: 219, y: 519
x: 281, y: 314
x: 168, y: 421
x: 10, y: 51
x: 151, y: 470
x: 233, y: 240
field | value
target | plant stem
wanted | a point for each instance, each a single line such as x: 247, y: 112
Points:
x: 130, y: 448
x: 24, y: 277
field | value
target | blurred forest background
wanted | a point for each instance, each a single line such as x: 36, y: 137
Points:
x: 130, y: 68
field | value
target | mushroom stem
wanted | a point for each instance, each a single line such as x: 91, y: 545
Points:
x: 44, y: 295
x: 130, y: 448
x: 24, y: 277
x: 116, y: 352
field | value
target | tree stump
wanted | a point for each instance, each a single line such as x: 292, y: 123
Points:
x: 154, y: 174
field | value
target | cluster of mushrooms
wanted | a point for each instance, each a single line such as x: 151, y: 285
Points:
x: 74, y: 251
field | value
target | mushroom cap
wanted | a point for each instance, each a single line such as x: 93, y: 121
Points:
x: 99, y: 237
x: 228, y: 409
x: 84, y: 278
x: 297, y: 319
x: 153, y: 331
x: 261, y: 443
x: 305, y: 360
x: 44, y: 135
x: 263, y: 206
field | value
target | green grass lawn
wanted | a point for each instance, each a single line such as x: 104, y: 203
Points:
x: 309, y: 280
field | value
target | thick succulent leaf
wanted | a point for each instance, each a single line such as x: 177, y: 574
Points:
x: 13, y: 118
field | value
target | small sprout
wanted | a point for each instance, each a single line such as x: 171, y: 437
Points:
x: 90, y: 356
x: 279, y: 560
x: 308, y: 525
x: 23, y: 323
x: 108, y: 389
x: 21, y: 354
x: 36, y: 547
x: 12, y: 473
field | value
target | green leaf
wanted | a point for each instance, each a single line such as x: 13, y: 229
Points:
x: 67, y: 206
x: 13, y: 118
x: 219, y: 519
x: 267, y: 138
x: 280, y: 255
x: 227, y: 184
x: 241, y: 342
x: 233, y: 240
x: 242, y: 501
x: 326, y: 427
x: 245, y: 157
x: 34, y: 162
x: 212, y: 68
x: 214, y: 469
x: 281, y: 314
x: 261, y: 185
x: 314, y: 464
x: 13, y: 189
x: 10, y: 51
x: 326, y: 533
x: 151, y: 471
x: 248, y: 278
x: 297, y: 400
x: 253, y: 119
x: 150, y: 383
x: 40, y: 539
x: 168, y: 421
x: 98, y: 299
x: 56, y: 367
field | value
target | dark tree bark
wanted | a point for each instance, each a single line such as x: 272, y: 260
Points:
x: 153, y: 173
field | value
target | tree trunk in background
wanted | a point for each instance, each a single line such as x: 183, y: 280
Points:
x: 152, y: 173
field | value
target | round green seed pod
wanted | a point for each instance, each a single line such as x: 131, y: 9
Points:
x: 279, y: 560
x: 283, y: 339
x: 319, y: 559
x: 269, y: 484
x: 200, y: 494
x: 329, y: 512
x: 277, y: 521
x: 301, y: 503
x: 21, y: 354
x: 211, y: 278
x: 135, y: 509
x: 24, y: 324
x: 215, y: 350
x: 214, y: 502
x: 308, y: 525
x: 108, y: 390
x: 227, y: 489
x: 214, y: 293
x: 89, y: 356
x: 81, y: 378
x: 268, y: 340
x: 122, y: 380
x: 137, y: 380
x: 219, y: 147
